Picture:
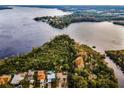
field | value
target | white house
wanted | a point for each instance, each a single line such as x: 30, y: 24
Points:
x: 50, y: 77
x: 30, y: 75
x: 17, y: 78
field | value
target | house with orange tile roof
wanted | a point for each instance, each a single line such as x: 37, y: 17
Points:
x: 41, y: 76
x: 4, y: 79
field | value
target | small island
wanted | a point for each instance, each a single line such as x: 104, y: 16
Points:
x: 117, y: 56
x: 62, y: 62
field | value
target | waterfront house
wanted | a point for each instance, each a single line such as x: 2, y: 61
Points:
x: 30, y: 75
x: 62, y: 77
x: 41, y: 76
x: 4, y: 79
x: 50, y: 77
x: 17, y: 78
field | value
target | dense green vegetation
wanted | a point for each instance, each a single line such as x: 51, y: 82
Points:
x: 54, y: 55
x: 95, y: 72
x: 82, y: 16
x: 117, y: 56
x: 57, y: 22
x: 59, y: 55
x: 66, y: 20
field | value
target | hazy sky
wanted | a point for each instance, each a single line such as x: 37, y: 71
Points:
x: 64, y: 2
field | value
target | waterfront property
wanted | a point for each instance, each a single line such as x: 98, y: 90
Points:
x: 62, y: 77
x: 24, y: 33
x: 30, y: 75
x: 41, y: 76
x: 4, y: 79
x: 50, y: 77
x: 18, y: 78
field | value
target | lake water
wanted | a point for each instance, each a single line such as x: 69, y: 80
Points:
x: 19, y: 33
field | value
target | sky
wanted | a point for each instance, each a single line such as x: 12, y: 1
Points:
x: 62, y: 2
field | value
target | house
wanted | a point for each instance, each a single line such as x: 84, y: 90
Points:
x: 79, y: 62
x: 17, y: 78
x: 62, y: 77
x: 4, y: 79
x: 41, y: 76
x: 30, y: 75
x: 50, y: 77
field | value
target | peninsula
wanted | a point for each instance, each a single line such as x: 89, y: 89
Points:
x: 81, y: 66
